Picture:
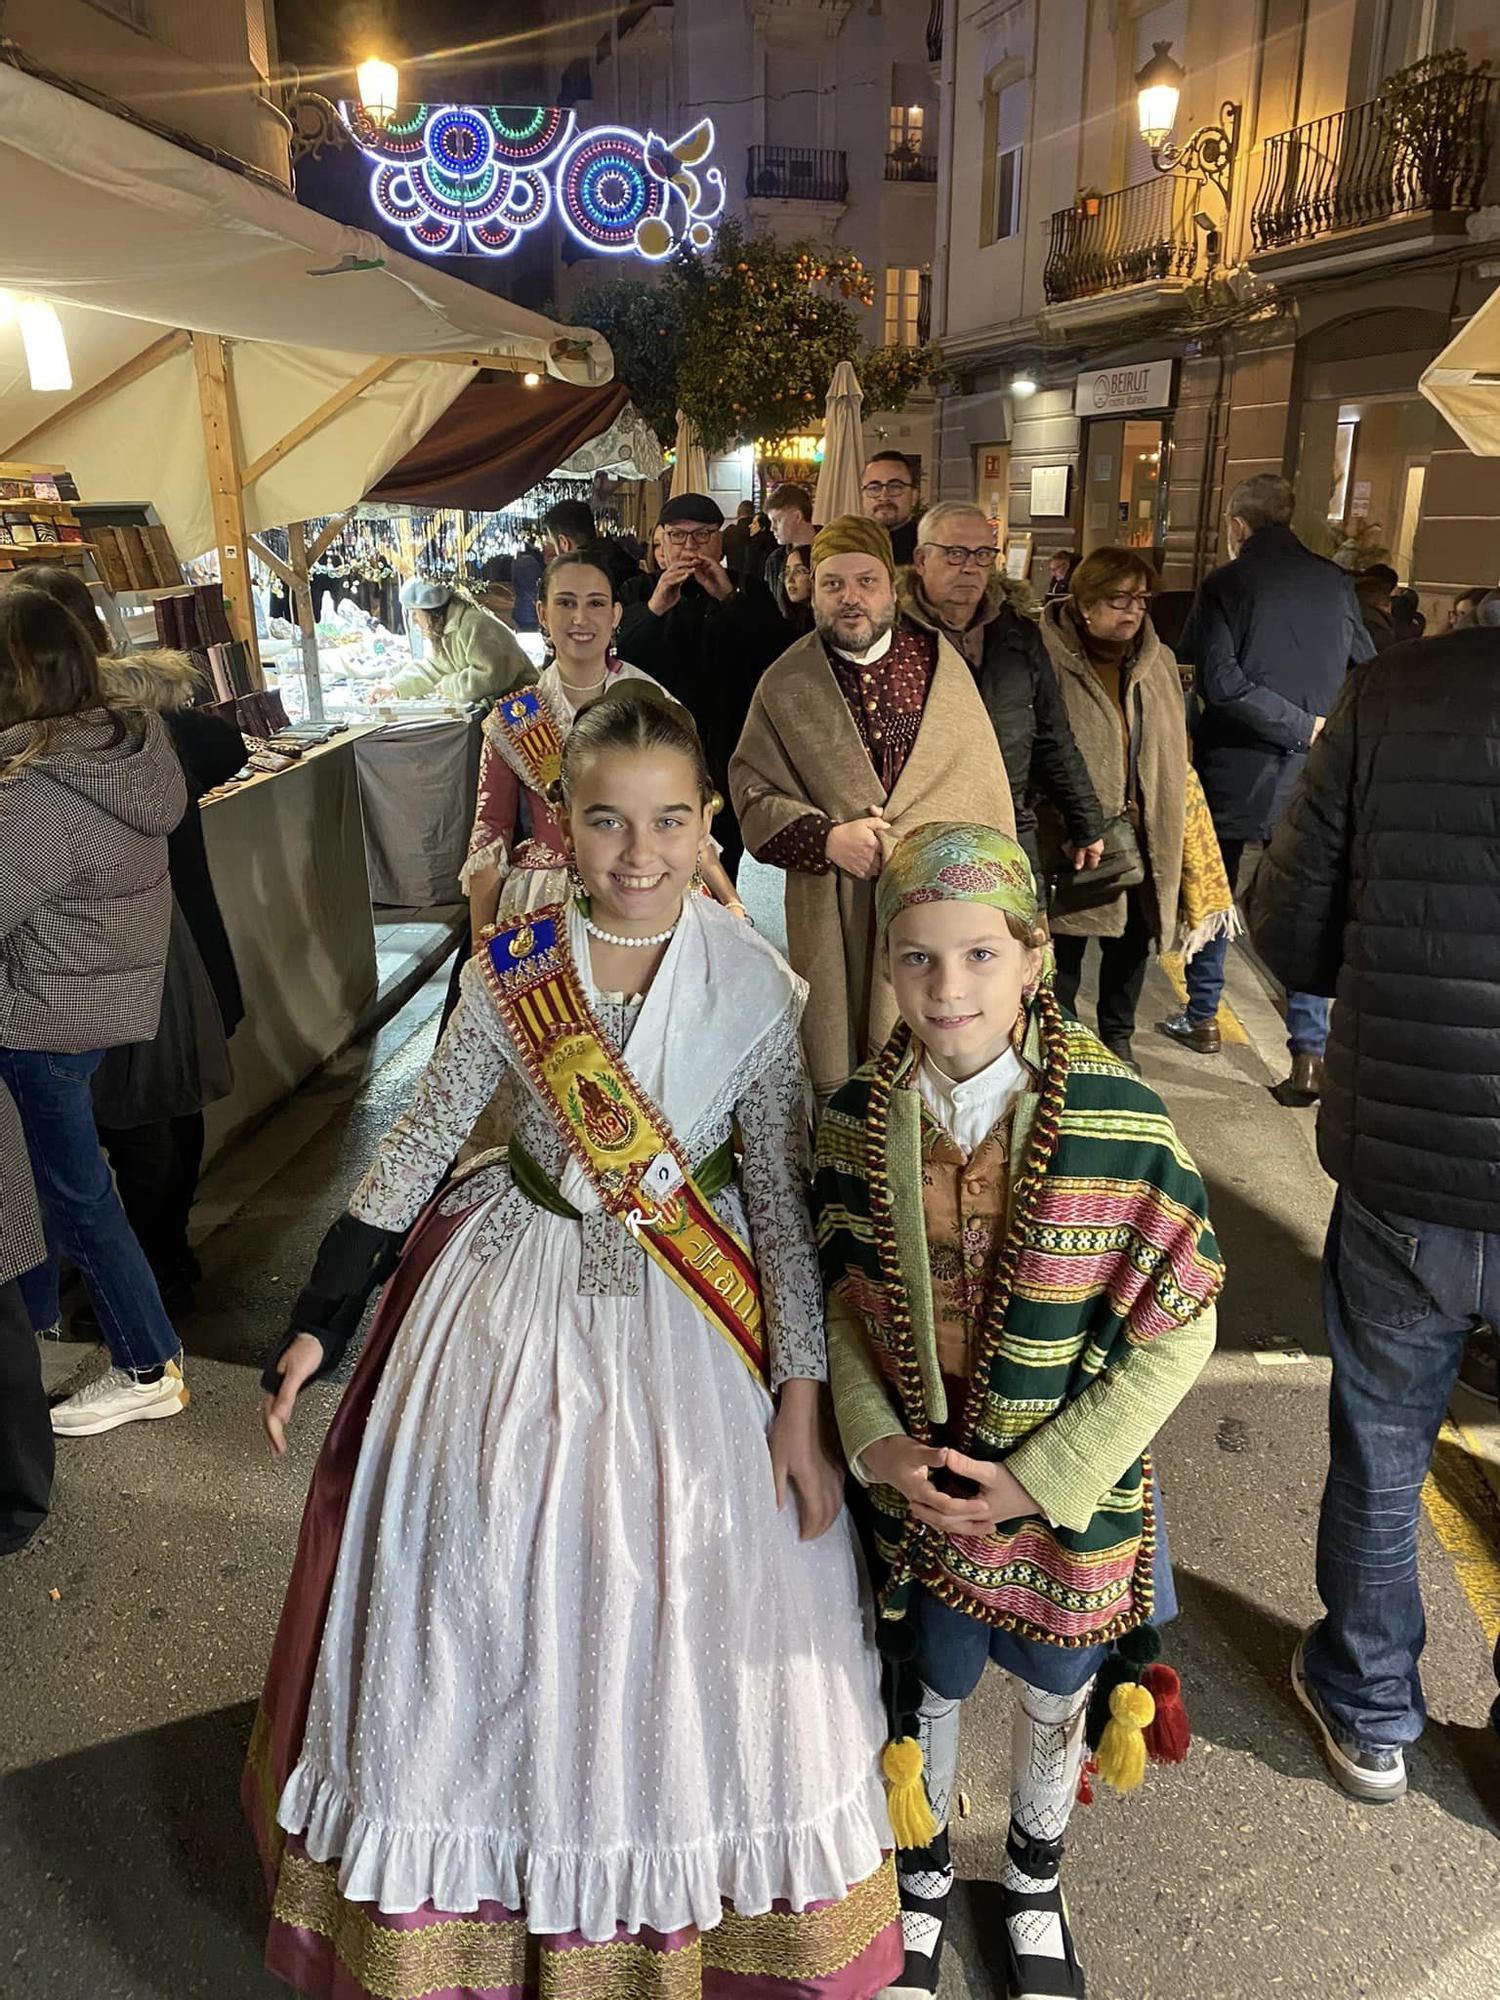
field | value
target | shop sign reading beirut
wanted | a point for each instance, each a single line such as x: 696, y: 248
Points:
x: 1110, y: 392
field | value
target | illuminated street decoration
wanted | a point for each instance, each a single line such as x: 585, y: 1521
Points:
x: 476, y: 178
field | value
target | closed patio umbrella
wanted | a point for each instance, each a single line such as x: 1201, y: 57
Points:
x: 1464, y: 380
x: 843, y: 447
x: 690, y: 471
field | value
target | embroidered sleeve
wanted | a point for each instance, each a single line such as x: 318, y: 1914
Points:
x: 773, y: 1123
x: 496, y: 812
x: 454, y: 1088
x: 802, y: 846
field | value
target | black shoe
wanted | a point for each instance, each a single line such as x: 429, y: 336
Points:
x: 924, y: 1877
x: 1202, y: 1037
x: 1480, y: 1368
x: 1122, y: 1049
x: 1031, y: 1975
x: 1305, y: 1084
x: 1374, y: 1773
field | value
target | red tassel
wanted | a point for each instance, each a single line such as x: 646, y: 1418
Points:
x: 1086, y: 1777
x: 1168, y: 1737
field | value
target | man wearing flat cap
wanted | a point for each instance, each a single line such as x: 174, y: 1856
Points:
x: 857, y: 734
x: 707, y: 635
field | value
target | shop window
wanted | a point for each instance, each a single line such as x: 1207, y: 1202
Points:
x: 1007, y: 114
x: 1345, y: 445
x: 903, y: 300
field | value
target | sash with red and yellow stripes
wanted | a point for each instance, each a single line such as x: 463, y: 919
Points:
x: 618, y: 1136
x: 525, y: 727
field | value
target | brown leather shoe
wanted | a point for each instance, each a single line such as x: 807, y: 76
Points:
x: 1305, y: 1084
x: 1202, y: 1037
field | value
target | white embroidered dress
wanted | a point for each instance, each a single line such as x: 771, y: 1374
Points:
x: 575, y: 1660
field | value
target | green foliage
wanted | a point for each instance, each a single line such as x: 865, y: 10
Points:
x: 746, y: 340
x: 643, y: 325
x: 888, y: 375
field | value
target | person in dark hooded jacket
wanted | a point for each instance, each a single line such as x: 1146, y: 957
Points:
x: 1271, y: 635
x: 87, y: 799
x: 954, y: 588
x: 26, y: 1446
x: 1380, y: 889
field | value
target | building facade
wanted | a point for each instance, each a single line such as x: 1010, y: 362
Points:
x: 825, y: 114
x: 1266, y: 311
x: 200, y: 69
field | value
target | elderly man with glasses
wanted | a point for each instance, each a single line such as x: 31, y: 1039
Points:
x: 888, y: 494
x: 707, y: 635
x: 954, y: 588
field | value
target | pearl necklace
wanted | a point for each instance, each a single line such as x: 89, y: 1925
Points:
x: 586, y: 687
x: 637, y: 943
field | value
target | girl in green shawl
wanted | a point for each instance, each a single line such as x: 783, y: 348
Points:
x: 1021, y: 1280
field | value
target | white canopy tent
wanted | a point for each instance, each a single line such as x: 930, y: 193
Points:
x: 237, y: 360
x: 1464, y: 381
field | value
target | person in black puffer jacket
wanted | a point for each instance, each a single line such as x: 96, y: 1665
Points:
x: 1380, y: 889
x: 993, y: 623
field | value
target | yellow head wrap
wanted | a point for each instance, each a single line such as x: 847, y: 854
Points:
x: 853, y: 535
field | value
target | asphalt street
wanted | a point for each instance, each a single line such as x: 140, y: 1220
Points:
x: 134, y: 1631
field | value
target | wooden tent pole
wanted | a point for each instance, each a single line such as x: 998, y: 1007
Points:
x: 222, y: 458
x: 307, y: 625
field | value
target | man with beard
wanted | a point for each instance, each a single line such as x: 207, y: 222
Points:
x: 888, y: 494
x: 707, y: 635
x: 857, y: 734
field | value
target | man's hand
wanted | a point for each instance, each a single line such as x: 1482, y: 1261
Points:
x: 1084, y: 857
x: 669, y: 584
x: 383, y: 691
x: 1320, y: 723
x: 855, y: 846
x: 802, y: 1458
x: 909, y: 1467
x: 298, y: 1365
x: 715, y: 579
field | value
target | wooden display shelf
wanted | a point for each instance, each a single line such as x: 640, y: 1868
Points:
x: 53, y: 551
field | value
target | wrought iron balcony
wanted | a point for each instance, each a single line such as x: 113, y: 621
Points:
x: 1375, y: 163
x: 797, y: 173
x: 907, y: 165
x: 935, y: 31
x: 1138, y: 235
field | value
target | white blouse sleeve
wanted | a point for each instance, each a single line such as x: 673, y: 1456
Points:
x: 457, y: 1083
x: 774, y: 1126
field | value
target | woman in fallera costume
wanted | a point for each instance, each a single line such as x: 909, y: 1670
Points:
x: 517, y: 855
x: 573, y: 1691
x: 1022, y: 1280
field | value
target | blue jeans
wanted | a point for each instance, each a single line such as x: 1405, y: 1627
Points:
x: 81, y: 1213
x: 1306, y: 1013
x: 1399, y: 1298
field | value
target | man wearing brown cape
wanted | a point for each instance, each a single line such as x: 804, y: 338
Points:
x: 857, y: 734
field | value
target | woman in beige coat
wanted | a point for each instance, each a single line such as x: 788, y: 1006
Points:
x: 1121, y: 683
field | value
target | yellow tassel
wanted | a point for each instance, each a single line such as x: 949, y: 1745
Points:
x: 906, y: 1795
x: 1122, y: 1747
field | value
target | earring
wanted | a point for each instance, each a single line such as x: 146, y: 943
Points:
x: 697, y: 885
x: 575, y: 880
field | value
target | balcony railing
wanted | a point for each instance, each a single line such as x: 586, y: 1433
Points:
x: 906, y: 165
x: 1136, y: 236
x: 1373, y: 164
x: 797, y: 173
x: 935, y: 31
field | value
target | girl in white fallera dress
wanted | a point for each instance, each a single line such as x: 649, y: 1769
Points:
x: 573, y: 1690
x: 517, y: 858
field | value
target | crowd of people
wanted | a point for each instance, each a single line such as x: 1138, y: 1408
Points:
x: 720, y: 1294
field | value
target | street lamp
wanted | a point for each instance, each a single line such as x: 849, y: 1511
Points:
x: 379, y: 86
x: 1210, y: 153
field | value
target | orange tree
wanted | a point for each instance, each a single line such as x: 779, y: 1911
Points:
x: 745, y: 341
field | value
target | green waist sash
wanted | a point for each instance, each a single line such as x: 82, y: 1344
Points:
x: 712, y: 1177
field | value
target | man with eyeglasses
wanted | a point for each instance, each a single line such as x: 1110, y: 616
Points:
x: 888, y: 494
x: 1271, y: 635
x: 953, y: 587
x: 707, y: 635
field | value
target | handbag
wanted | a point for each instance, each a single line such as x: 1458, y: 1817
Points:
x: 1122, y: 865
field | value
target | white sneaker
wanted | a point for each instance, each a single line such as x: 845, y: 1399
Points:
x: 117, y: 1398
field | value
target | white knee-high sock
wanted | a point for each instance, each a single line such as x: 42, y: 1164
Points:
x: 1047, y: 1746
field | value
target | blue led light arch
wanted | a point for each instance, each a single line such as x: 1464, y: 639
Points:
x: 477, y: 178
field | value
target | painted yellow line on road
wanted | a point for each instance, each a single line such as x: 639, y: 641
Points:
x: 1463, y: 1508
x: 1231, y: 1028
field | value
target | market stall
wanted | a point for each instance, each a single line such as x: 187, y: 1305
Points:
x: 221, y: 362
